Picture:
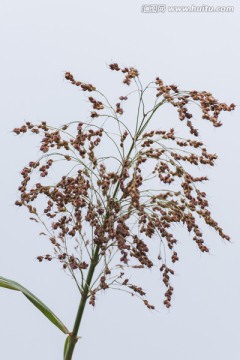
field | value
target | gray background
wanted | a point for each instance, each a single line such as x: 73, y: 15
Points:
x: 39, y: 41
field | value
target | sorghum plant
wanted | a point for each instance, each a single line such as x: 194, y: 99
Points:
x: 124, y: 185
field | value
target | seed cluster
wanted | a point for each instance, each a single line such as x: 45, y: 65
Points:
x: 115, y: 208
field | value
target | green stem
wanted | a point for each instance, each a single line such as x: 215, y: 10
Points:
x: 72, y: 339
x: 73, y: 336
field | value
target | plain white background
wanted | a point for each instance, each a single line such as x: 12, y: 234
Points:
x: 39, y: 41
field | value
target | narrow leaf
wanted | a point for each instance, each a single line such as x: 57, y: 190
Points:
x: 12, y: 285
x: 66, y: 346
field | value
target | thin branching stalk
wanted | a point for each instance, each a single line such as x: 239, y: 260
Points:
x: 125, y: 187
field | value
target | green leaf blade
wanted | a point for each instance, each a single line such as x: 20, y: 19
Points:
x: 12, y: 285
